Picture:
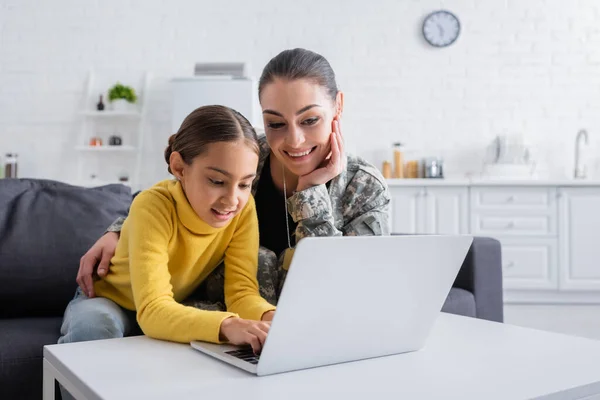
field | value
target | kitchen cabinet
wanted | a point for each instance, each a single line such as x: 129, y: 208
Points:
x: 579, y: 216
x: 432, y: 210
x: 549, y: 231
x: 407, y: 210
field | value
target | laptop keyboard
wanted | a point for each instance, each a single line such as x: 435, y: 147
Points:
x: 246, y: 354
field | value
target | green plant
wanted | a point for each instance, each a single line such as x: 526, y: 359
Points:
x: 119, y: 91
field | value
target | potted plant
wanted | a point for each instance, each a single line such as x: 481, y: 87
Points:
x: 121, y: 96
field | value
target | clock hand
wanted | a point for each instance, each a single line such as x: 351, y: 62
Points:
x: 440, y: 29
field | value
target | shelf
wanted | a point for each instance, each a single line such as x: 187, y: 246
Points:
x: 106, y: 148
x: 111, y: 114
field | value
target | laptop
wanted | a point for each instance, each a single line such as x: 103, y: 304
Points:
x: 352, y: 298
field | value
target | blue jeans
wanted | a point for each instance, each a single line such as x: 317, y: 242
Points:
x: 98, y: 318
x: 93, y: 319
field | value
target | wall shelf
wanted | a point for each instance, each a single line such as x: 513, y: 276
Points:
x: 127, y: 123
x: 111, y: 114
x: 107, y: 148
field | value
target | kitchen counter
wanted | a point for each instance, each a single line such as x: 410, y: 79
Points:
x: 494, y: 182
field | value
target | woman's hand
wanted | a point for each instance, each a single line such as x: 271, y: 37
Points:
x: 332, y: 166
x: 99, y: 254
x: 240, y: 331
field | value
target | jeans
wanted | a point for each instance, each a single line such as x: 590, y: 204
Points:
x: 93, y: 319
x: 98, y: 318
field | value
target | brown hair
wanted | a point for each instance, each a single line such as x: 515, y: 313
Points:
x: 206, y: 125
x: 299, y: 64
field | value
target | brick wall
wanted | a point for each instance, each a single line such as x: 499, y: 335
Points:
x: 530, y: 67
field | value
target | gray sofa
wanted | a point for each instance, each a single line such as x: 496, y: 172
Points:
x: 45, y: 228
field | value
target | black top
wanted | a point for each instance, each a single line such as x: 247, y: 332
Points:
x: 270, y: 209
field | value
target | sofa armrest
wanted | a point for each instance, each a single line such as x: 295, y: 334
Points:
x: 481, y: 274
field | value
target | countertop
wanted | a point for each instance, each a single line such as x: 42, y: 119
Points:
x: 494, y: 182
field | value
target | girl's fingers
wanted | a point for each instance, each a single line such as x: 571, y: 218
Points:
x: 255, y: 343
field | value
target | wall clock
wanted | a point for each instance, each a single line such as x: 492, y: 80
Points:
x: 441, y: 28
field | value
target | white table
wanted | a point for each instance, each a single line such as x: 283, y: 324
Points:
x: 464, y: 358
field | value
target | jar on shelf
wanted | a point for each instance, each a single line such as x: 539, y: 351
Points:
x: 398, y: 161
x: 115, y: 140
x: 10, y: 165
x: 386, y: 170
x: 96, y: 141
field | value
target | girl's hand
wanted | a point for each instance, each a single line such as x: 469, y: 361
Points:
x: 240, y: 331
x: 268, y: 316
x: 332, y: 166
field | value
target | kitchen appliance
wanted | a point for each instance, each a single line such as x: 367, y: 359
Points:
x: 192, y: 92
x: 433, y: 168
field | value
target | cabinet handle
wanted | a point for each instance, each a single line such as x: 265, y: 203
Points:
x: 509, y: 265
x: 510, y: 225
x: 510, y: 199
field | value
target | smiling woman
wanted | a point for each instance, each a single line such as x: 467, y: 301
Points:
x: 306, y: 185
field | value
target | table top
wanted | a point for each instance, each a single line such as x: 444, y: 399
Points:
x: 464, y: 358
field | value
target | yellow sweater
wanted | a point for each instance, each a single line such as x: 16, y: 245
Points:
x: 166, y: 251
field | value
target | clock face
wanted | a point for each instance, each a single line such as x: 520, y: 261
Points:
x: 441, y: 28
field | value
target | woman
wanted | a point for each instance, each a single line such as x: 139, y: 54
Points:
x: 306, y: 185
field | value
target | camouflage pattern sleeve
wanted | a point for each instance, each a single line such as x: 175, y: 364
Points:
x: 311, y: 209
x: 116, y: 225
x: 366, y: 205
x: 360, y: 206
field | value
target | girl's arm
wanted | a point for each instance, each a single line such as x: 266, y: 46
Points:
x: 159, y: 315
x: 241, y: 263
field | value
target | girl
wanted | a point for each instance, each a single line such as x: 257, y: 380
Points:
x: 176, y: 234
x: 306, y: 185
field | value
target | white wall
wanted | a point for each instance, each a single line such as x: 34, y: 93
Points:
x: 530, y: 67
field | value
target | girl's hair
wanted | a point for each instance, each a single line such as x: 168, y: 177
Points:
x: 299, y: 64
x: 206, y: 125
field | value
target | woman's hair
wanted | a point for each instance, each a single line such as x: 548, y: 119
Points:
x: 299, y: 64
x: 206, y: 125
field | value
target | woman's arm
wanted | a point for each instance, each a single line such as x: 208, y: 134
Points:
x: 149, y: 230
x: 363, y: 202
x: 99, y: 255
x: 116, y: 226
x: 241, y: 264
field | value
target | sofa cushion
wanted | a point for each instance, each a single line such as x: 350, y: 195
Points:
x: 460, y: 302
x: 21, y: 352
x: 45, y: 228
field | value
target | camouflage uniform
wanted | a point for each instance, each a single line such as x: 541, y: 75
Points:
x: 354, y: 203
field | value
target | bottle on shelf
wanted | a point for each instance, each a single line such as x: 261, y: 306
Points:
x: 100, y: 105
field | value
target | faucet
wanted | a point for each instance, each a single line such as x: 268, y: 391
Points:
x: 579, y: 169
